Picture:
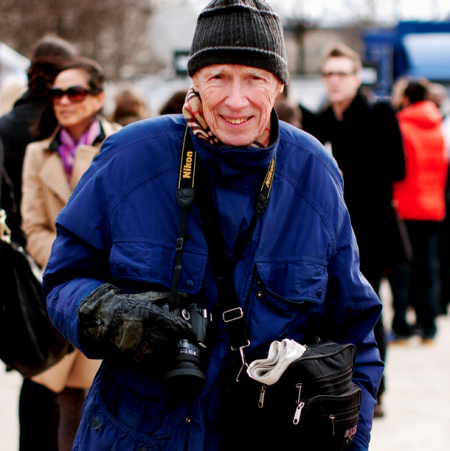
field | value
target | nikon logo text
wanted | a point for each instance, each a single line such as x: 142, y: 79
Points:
x: 187, y: 167
x: 270, y: 175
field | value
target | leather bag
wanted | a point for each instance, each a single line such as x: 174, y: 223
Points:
x: 29, y: 343
x: 315, y: 403
x: 313, y: 406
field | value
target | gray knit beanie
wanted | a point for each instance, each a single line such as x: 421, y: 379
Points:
x: 246, y: 32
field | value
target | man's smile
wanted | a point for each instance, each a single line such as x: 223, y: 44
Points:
x: 236, y: 121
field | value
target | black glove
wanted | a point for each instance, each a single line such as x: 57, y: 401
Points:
x: 134, y: 323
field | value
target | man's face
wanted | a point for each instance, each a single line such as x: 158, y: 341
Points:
x: 341, y: 80
x: 237, y: 100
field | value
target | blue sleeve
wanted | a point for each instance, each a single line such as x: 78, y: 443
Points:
x: 357, y: 445
x: 356, y: 309
x: 71, y: 274
x: 78, y: 263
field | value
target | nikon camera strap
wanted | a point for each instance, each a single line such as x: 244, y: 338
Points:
x: 192, y: 170
x: 185, y: 197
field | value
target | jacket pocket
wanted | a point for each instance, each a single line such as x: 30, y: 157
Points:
x: 153, y: 262
x: 105, y: 431
x: 282, y: 297
x: 294, y: 280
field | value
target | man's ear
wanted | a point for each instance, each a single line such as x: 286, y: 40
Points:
x: 195, y: 82
x: 281, y: 88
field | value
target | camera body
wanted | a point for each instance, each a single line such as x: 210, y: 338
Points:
x: 184, y: 375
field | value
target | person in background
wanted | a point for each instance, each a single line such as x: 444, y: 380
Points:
x: 286, y: 110
x: 397, y: 90
x: 174, y: 104
x: 17, y: 130
x: 438, y: 95
x: 11, y: 89
x: 130, y: 106
x: 16, y: 127
x: 51, y: 170
x: 367, y: 145
x: 8, y: 208
x: 288, y: 113
x: 420, y: 201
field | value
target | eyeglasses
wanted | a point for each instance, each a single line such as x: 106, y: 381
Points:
x: 339, y: 75
x: 75, y: 94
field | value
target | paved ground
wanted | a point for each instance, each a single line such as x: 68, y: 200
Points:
x: 417, y: 401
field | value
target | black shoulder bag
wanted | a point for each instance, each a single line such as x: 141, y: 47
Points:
x: 29, y: 343
x: 314, y: 405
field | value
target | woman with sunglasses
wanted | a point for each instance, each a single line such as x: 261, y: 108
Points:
x: 52, y: 168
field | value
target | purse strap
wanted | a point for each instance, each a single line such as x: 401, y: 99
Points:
x: 192, y: 172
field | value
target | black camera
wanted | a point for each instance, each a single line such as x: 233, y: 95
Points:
x: 184, y: 375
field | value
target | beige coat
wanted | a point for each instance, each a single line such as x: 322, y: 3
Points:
x: 45, y: 191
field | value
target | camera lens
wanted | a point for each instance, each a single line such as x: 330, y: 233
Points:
x: 185, y: 376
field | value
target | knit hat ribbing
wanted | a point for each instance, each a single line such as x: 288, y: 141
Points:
x: 246, y: 32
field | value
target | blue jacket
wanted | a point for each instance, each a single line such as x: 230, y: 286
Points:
x: 121, y: 224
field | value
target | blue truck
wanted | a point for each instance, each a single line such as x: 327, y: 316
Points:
x: 416, y: 49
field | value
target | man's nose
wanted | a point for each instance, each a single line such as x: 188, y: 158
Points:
x: 237, y: 96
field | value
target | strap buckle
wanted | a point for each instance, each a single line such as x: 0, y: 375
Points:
x: 232, y: 315
x: 179, y: 244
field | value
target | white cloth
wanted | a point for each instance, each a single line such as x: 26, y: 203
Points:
x: 281, y: 355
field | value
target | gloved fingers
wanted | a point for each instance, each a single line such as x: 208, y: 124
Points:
x: 147, y: 328
x: 152, y: 296
x: 130, y: 338
x: 165, y: 323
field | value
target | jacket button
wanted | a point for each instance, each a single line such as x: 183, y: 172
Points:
x: 188, y: 420
x: 319, y: 293
x: 96, y: 423
x: 196, y: 422
x: 189, y: 284
x: 259, y: 294
x: 122, y: 268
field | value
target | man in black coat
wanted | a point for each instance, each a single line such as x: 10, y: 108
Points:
x: 367, y: 145
x: 16, y: 134
x: 18, y: 128
x: 7, y: 202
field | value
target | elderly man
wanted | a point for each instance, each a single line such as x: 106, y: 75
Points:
x: 132, y: 232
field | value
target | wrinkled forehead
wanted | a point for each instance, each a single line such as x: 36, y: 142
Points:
x: 234, y: 70
x: 339, y: 64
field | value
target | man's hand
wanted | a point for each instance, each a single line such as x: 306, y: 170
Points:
x: 134, y: 323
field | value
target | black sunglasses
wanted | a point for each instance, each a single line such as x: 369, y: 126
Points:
x: 74, y: 93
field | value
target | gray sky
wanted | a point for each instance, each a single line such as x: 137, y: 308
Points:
x: 332, y: 11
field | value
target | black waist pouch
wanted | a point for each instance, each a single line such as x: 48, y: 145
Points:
x: 314, y: 406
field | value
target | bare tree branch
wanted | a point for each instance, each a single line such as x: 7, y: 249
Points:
x: 113, y: 32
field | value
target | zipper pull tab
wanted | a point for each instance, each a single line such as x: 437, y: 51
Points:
x: 299, y: 388
x: 261, y: 396
x: 298, y: 412
x: 332, y: 418
x: 300, y: 405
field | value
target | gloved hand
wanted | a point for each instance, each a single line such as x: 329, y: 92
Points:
x: 134, y: 323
